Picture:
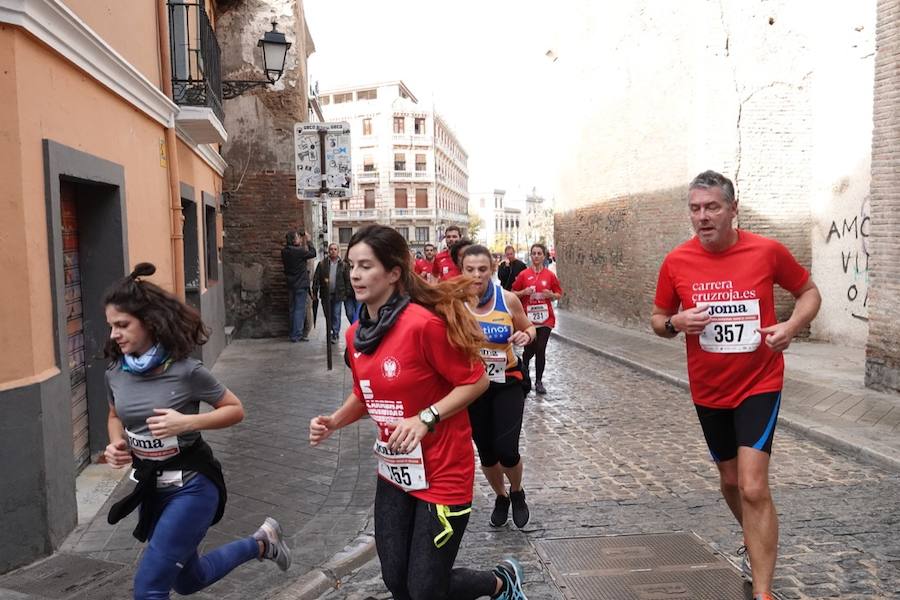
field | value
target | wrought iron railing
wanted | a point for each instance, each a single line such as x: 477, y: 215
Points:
x: 196, y: 70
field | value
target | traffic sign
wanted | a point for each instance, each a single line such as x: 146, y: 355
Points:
x: 322, y: 173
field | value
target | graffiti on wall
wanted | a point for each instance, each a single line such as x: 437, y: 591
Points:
x: 852, y: 234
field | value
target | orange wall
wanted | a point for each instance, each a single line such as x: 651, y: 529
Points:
x: 128, y: 26
x: 64, y: 105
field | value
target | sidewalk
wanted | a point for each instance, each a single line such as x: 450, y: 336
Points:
x: 322, y: 496
x: 824, y: 396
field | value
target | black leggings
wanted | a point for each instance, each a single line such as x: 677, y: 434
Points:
x: 537, y: 348
x: 496, y: 419
x: 412, y: 567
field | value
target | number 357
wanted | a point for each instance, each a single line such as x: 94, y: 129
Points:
x: 728, y: 333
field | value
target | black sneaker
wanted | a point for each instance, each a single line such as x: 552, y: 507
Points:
x: 500, y: 516
x: 519, y: 508
x: 539, y: 388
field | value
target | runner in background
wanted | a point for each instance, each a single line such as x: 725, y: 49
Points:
x: 425, y: 266
x: 496, y: 415
x: 537, y: 287
x: 444, y: 267
x: 414, y: 355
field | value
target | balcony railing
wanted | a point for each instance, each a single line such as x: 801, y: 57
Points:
x: 196, y: 71
x: 356, y: 214
x: 412, y: 213
x: 365, y: 176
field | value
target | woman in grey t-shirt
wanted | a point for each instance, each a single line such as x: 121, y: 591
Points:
x: 155, y: 390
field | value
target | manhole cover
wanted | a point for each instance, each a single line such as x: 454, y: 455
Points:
x: 667, y: 566
x: 64, y: 576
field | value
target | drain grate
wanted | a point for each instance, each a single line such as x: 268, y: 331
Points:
x: 666, y: 566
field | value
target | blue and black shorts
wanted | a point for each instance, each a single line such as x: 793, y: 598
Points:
x: 750, y: 424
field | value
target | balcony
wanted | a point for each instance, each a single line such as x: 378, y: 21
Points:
x: 411, y: 213
x: 401, y: 176
x: 367, y: 176
x: 407, y: 176
x: 356, y: 214
x: 196, y: 74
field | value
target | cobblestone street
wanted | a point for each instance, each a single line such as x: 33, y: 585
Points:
x: 611, y: 451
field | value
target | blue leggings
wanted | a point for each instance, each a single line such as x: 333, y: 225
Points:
x: 170, y: 562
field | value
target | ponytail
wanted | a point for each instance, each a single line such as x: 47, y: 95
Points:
x: 447, y: 299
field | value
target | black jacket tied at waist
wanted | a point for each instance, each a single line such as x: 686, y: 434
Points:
x: 196, y: 457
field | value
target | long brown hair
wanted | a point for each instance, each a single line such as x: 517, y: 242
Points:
x: 446, y: 299
x: 171, y: 322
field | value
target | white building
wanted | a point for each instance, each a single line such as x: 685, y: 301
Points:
x: 409, y: 170
x: 538, y: 223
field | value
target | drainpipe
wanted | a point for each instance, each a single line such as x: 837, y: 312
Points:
x: 176, y: 218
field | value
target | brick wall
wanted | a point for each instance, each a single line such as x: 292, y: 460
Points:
x: 883, y: 348
x: 257, y: 216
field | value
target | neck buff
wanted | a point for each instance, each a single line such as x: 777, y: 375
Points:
x: 146, y: 362
x: 369, y: 332
x: 488, y: 295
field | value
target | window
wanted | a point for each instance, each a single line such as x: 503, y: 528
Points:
x: 367, y: 94
x: 399, y: 125
x: 323, y: 100
x: 369, y: 198
x: 421, y: 198
x: 212, y: 249
x: 344, y: 203
x: 367, y: 126
x: 404, y: 231
x: 420, y: 126
x: 400, y: 198
x: 368, y: 164
x: 399, y: 161
x: 344, y: 234
x: 422, y: 234
x: 341, y: 98
x: 420, y: 162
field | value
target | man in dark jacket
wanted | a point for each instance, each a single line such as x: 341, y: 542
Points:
x: 510, y: 268
x: 330, y: 284
x: 297, y: 250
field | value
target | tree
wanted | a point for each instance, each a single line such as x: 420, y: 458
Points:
x: 475, y: 225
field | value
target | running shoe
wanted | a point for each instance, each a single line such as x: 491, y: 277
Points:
x: 763, y: 596
x: 500, y: 516
x: 275, y: 548
x: 539, y: 388
x: 519, y: 508
x: 510, y: 573
x: 745, y: 562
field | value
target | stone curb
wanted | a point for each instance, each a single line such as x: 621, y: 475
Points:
x: 328, y: 575
x: 832, y: 437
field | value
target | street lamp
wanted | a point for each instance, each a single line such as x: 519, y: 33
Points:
x: 275, y: 47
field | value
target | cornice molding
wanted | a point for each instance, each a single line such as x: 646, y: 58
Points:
x: 54, y: 24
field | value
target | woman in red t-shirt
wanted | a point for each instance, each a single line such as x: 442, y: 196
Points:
x: 414, y: 354
x: 537, y: 287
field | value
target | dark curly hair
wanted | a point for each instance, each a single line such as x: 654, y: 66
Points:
x: 458, y: 247
x: 171, y: 322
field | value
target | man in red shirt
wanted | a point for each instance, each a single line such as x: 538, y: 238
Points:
x: 425, y: 266
x: 444, y: 267
x: 718, y: 289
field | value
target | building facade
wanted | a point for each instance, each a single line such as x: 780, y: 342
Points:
x: 501, y: 223
x: 409, y: 169
x: 110, y: 129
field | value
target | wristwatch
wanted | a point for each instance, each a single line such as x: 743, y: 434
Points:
x: 671, y: 328
x: 430, y: 417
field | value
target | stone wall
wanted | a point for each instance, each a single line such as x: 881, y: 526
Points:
x: 883, y: 348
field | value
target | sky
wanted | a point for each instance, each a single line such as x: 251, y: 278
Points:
x: 483, y: 65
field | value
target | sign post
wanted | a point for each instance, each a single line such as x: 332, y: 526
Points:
x: 323, y: 172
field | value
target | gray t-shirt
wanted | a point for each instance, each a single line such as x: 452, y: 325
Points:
x: 183, y: 386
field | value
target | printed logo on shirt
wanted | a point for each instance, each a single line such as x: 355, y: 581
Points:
x: 390, y: 367
x: 718, y: 291
x: 496, y: 334
x: 357, y: 354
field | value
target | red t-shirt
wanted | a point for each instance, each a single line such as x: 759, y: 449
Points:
x: 444, y: 267
x: 423, y: 267
x: 413, y: 367
x: 539, y: 310
x: 729, y: 361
